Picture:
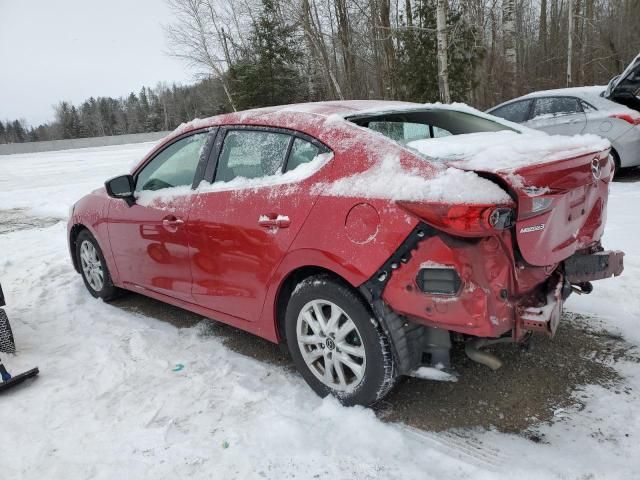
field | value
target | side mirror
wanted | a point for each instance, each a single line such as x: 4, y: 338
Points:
x: 121, y: 187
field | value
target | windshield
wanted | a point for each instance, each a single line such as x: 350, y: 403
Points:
x: 408, y: 126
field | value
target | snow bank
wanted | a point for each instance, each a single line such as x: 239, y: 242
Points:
x: 504, y: 150
x: 389, y: 180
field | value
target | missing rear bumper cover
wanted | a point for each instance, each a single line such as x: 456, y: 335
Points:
x: 582, y: 268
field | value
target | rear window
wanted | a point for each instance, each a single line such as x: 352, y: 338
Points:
x: 408, y: 126
x: 514, y: 112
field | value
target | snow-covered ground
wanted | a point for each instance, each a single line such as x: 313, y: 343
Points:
x: 108, y: 404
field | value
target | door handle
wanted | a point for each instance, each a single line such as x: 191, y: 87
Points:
x: 172, y: 222
x: 274, y: 221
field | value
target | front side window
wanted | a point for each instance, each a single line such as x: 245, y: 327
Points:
x: 175, y: 166
x: 251, y: 154
x: 517, y: 112
x: 555, y: 106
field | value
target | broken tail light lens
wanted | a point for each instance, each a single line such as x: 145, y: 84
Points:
x: 463, y: 220
x: 540, y: 204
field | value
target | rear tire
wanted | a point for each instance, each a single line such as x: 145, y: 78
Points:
x: 616, y: 163
x: 93, y: 268
x: 327, y: 323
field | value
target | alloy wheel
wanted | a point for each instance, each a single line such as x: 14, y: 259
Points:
x: 91, y: 265
x: 331, y: 345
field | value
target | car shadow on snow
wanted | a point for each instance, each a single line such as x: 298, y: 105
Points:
x: 533, y: 386
x: 628, y: 175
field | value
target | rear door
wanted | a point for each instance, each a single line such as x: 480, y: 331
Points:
x: 149, y: 238
x: 558, y: 116
x: 241, y: 227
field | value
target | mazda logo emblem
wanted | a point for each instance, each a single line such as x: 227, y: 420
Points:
x: 595, y: 168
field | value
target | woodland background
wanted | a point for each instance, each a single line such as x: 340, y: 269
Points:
x: 253, y: 53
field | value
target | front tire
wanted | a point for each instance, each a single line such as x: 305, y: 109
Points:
x: 93, y: 268
x: 336, y: 343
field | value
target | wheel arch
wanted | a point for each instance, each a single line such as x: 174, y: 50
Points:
x: 616, y: 158
x: 74, y: 231
x: 293, y: 273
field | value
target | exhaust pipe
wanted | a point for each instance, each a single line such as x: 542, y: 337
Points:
x: 472, y: 349
x: 582, y: 288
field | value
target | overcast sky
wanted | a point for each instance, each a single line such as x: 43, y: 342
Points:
x: 53, y: 50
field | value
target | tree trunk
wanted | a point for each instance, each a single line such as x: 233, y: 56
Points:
x: 443, y: 73
x: 509, y: 40
x: 570, y: 44
x: 542, y: 35
x: 389, y: 50
x: 348, y: 58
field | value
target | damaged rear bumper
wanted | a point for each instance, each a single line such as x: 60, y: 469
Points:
x: 579, y: 269
x: 543, y: 317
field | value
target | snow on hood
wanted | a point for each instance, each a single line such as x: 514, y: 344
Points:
x: 504, y: 150
x: 388, y: 179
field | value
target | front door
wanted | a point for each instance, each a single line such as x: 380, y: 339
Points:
x: 149, y: 239
x: 243, y: 224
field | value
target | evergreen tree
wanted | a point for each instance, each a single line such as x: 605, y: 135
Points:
x: 3, y: 133
x: 269, y: 75
x: 18, y: 132
x: 417, y: 71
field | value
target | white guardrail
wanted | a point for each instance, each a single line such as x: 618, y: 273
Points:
x: 52, y: 145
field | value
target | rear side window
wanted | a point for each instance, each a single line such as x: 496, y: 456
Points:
x: 405, y: 132
x: 251, y: 154
x: 402, y: 132
x: 554, y: 106
x: 587, y: 107
x: 514, y: 112
x: 301, y: 152
x: 175, y: 166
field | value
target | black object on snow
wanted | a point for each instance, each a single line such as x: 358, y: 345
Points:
x: 8, y: 345
x: 14, y: 381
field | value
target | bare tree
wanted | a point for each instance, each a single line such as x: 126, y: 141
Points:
x: 198, y: 36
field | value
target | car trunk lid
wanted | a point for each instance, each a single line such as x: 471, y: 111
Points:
x: 625, y: 88
x: 560, y: 184
x: 561, y: 205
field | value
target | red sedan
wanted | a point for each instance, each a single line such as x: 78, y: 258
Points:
x: 367, y: 236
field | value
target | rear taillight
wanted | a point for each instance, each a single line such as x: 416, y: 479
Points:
x: 463, y: 220
x: 631, y: 117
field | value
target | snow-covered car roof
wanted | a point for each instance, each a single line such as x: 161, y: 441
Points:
x: 331, y: 111
x: 591, y: 94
